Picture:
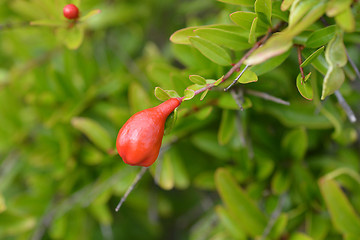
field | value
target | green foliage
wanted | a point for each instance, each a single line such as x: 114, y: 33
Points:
x: 269, y: 171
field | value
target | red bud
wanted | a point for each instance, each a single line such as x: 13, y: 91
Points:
x: 139, y: 140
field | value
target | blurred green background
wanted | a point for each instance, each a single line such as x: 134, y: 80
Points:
x: 222, y: 173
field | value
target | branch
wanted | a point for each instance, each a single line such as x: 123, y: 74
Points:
x: 238, y: 97
x: 345, y: 106
x: 267, y: 96
x: 237, y: 78
x: 131, y: 187
x: 13, y: 25
x: 240, y: 62
x: 353, y: 65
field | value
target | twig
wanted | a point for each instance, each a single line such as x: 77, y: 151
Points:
x: 267, y: 96
x: 131, y: 187
x: 13, y: 25
x: 299, y: 49
x: 239, y: 98
x: 240, y: 62
x: 237, y: 78
x: 345, y: 106
x: 274, y: 216
x: 353, y: 65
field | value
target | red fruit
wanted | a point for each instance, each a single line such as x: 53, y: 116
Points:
x: 71, y: 11
x: 139, y: 140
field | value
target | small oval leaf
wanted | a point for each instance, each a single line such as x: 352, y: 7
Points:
x: 188, y: 94
x: 197, y: 79
x: 304, y: 87
x: 161, y: 94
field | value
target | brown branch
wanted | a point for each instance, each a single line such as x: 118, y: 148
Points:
x: 299, y: 49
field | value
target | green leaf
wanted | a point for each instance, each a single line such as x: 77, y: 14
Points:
x: 263, y: 9
x: 335, y: 7
x: 285, y: 5
x: 188, y: 94
x: 217, y: 82
x: 243, y: 19
x: 335, y: 52
x: 311, y: 16
x: 224, y: 38
x: 95, y: 132
x: 248, y: 77
x: 346, y: 20
x: 48, y: 23
x: 270, y: 64
x: 72, y: 37
x: 166, y: 179
x: 279, y: 227
x: 245, y: 3
x: 298, y: 10
x: 280, y: 182
x: 230, y: 223
x: 195, y: 87
x: 159, y: 73
x: 182, y: 36
x: 203, y: 95
x: 319, y: 226
x: 318, y: 63
x: 304, y: 87
x: 278, y: 13
x: 208, y: 142
x: 2, y: 204
x: 172, y: 93
x: 14, y: 224
x: 226, y: 101
x: 212, y: 51
x: 333, y: 80
x: 295, y: 143
x: 197, y: 79
x: 161, y: 94
x: 227, y: 127
x: 205, y: 180
x: 181, y: 177
x: 300, y: 236
x: 253, y: 222
x: 342, y: 213
x: 312, y: 57
x: 138, y: 98
x: 90, y: 14
x: 170, y: 121
x: 276, y: 45
x: 252, y: 35
x: 299, y: 115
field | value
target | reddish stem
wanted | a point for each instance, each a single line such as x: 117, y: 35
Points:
x: 240, y: 62
x: 299, y: 49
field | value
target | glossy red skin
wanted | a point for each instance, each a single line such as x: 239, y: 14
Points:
x: 71, y: 11
x: 139, y: 140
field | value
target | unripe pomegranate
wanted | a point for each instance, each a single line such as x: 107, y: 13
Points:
x: 71, y: 11
x: 139, y: 140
